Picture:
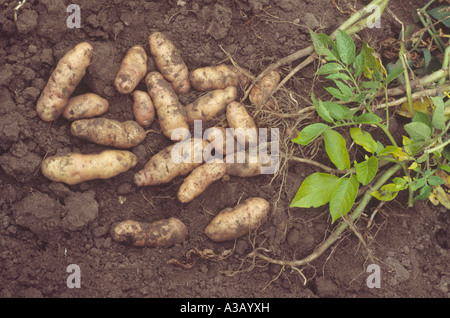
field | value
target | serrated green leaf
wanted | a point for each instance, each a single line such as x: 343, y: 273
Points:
x: 309, y: 133
x: 329, y: 68
x: 418, y: 131
x: 345, y: 47
x: 367, y: 118
x: 336, y: 149
x: 364, y: 139
x: 315, y: 190
x: 438, y: 119
x: 343, y: 197
x: 367, y: 170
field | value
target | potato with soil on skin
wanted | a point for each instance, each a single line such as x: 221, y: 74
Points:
x: 263, y: 88
x: 241, y: 121
x: 62, y: 83
x: 232, y: 223
x: 85, y: 106
x: 109, y: 132
x: 175, y: 160
x: 169, y: 62
x: 74, y: 168
x: 162, y: 233
x: 221, y: 140
x: 171, y: 114
x: 209, y: 105
x: 143, y: 108
x: 217, y: 77
x: 132, y: 70
x: 243, y: 164
x: 199, y: 180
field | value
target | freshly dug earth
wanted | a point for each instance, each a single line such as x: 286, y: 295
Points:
x: 46, y: 226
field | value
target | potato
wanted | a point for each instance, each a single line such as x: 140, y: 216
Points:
x: 68, y: 73
x: 221, y: 140
x: 169, y: 62
x: 263, y: 88
x: 232, y: 223
x: 176, y: 160
x: 85, y: 106
x: 109, y: 132
x: 200, y: 179
x: 162, y: 233
x: 74, y: 168
x: 243, y: 164
x: 132, y: 70
x: 217, y: 77
x: 143, y: 108
x: 171, y: 114
x: 210, y: 104
x: 244, y: 126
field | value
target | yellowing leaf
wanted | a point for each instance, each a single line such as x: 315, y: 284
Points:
x: 442, y: 196
x: 424, y: 105
x: 400, y: 155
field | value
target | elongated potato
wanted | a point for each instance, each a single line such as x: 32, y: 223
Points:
x: 132, y: 70
x: 162, y: 233
x: 74, y: 168
x: 241, y: 121
x: 263, y: 88
x: 171, y: 114
x: 232, y: 223
x: 243, y: 164
x: 176, y: 160
x: 217, y: 77
x: 209, y: 105
x: 85, y: 106
x: 169, y: 62
x: 109, y: 132
x: 143, y: 108
x: 68, y: 73
x: 200, y: 179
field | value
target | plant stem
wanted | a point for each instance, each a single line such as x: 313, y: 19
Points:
x: 445, y: 64
x: 339, y: 229
x: 408, y: 87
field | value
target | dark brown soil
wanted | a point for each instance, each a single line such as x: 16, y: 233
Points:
x: 47, y: 226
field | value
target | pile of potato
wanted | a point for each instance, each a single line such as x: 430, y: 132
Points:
x: 220, y: 84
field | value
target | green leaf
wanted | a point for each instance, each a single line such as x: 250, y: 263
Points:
x: 337, y: 94
x: 337, y: 111
x: 321, y: 42
x: 441, y: 12
x: 367, y: 118
x: 345, y: 89
x: 367, y: 170
x: 309, y: 133
x: 341, y: 76
x: 438, y: 119
x: 343, y: 197
x: 346, y: 47
x: 418, y: 183
x: 330, y: 68
x: 396, y: 72
x: 315, y: 190
x: 322, y: 110
x: 387, y: 192
x: 418, y: 131
x: 364, y: 139
x: 423, y: 194
x: 435, y: 181
x: 358, y: 64
x: 421, y: 117
x: 336, y: 149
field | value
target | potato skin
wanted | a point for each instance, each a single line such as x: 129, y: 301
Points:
x: 109, y: 132
x: 243, y: 124
x: 199, y: 180
x: 210, y: 104
x: 264, y: 87
x: 68, y: 73
x: 237, y: 166
x: 161, y: 168
x: 162, y: 233
x: 74, y: 168
x: 143, y: 108
x: 169, y: 62
x: 171, y: 114
x: 217, y: 77
x: 232, y: 223
x: 218, y: 138
x: 85, y: 106
x: 132, y: 70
